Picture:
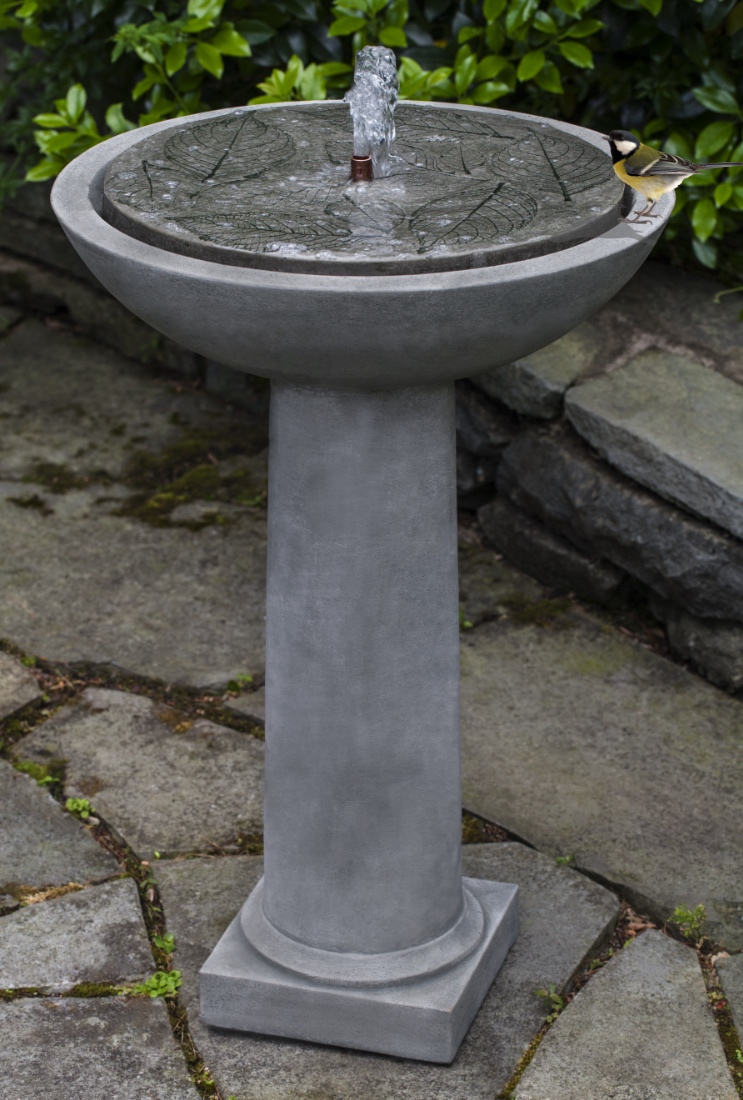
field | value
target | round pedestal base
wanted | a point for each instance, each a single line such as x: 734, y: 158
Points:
x: 357, y: 969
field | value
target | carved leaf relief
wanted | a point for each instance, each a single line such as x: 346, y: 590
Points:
x: 481, y: 215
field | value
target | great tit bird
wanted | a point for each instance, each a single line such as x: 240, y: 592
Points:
x: 650, y: 171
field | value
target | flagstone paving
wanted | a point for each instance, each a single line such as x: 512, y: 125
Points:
x: 41, y: 845
x: 165, y: 782
x: 588, y: 745
x: 94, y: 935
x: 564, y: 920
x: 731, y: 979
x: 90, y: 1049
x: 640, y: 1028
x: 17, y: 686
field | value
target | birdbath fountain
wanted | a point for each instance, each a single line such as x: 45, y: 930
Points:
x: 483, y: 236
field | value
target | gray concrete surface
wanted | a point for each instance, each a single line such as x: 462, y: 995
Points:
x: 40, y: 844
x: 564, y: 919
x: 91, y: 935
x: 18, y: 688
x: 107, y: 1048
x: 584, y: 743
x: 671, y: 425
x: 642, y: 1027
x: 165, y: 782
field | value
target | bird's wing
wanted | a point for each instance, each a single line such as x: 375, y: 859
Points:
x: 665, y: 164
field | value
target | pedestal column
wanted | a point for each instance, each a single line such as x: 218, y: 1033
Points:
x: 362, y: 932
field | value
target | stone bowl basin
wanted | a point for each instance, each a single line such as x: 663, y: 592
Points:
x: 361, y: 332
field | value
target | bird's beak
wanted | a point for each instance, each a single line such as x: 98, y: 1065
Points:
x: 606, y: 137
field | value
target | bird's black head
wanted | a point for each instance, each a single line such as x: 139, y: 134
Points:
x: 622, y: 144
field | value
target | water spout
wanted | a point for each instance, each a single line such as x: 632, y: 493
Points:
x: 372, y: 101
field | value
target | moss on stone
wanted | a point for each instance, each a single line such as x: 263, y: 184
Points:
x: 524, y: 611
x: 93, y: 989
x: 32, y: 500
x: 56, y: 478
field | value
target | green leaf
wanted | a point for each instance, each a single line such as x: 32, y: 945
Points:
x: 584, y: 28
x: 577, y: 55
x: 50, y: 122
x: 704, y: 219
x: 653, y: 6
x: 255, y: 31
x: 148, y: 81
x: 492, y: 9
x: 205, y: 9
x: 530, y: 64
x: 230, y: 43
x: 705, y: 252
x: 549, y: 79
x: 545, y: 23
x: 116, y: 121
x: 717, y: 99
x: 393, y: 36
x: 722, y: 193
x: 519, y: 14
x: 175, y: 58
x: 468, y: 33
x: 489, y: 92
x: 713, y: 138
x: 490, y: 66
x: 46, y: 169
x: 347, y: 24
x: 75, y: 101
x: 210, y: 59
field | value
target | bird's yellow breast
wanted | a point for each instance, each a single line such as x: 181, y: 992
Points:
x: 652, y: 187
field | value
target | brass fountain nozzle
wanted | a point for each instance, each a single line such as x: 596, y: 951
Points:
x: 361, y: 168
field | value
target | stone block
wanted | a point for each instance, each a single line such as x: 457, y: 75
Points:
x: 18, y: 688
x: 642, y: 1027
x: 673, y: 426
x: 552, y: 476
x: 92, y: 935
x: 482, y: 429
x: 536, y: 385
x: 564, y: 921
x: 9, y: 316
x: 532, y: 547
x: 40, y: 844
x: 251, y: 704
x: 589, y: 745
x: 713, y: 647
x: 103, y: 1048
x: 42, y: 241
x: 167, y: 783
x: 731, y: 979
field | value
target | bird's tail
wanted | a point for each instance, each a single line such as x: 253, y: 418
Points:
x: 724, y: 164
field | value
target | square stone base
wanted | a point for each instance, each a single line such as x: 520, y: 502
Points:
x: 424, y: 1019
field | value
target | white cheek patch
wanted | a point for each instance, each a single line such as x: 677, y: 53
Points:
x: 625, y: 147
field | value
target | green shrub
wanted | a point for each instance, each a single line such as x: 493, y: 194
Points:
x: 78, y: 71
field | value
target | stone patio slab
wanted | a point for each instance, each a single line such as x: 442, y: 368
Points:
x: 564, y: 918
x: 586, y: 744
x: 107, y: 1048
x: 93, y: 935
x: 40, y: 844
x: 641, y: 1028
x: 731, y: 979
x: 18, y: 688
x: 79, y: 583
x: 672, y: 425
x: 167, y: 783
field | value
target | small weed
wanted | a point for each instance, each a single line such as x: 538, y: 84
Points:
x: 29, y: 662
x: 42, y: 773
x: 163, y: 983
x: 739, y: 1055
x: 166, y: 942
x: 551, y: 1000
x: 565, y: 861
x: 241, y: 681
x: 79, y: 807
x: 689, y: 921
x: 464, y: 622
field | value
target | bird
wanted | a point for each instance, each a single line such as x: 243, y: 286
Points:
x: 650, y: 171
